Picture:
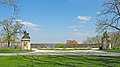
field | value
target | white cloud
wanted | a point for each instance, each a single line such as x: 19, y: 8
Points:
x: 75, y: 29
x: 36, y: 29
x: 98, y: 13
x: 29, y: 25
x: 83, y: 18
x: 73, y: 26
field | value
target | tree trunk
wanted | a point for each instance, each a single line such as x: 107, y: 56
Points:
x: 8, y: 43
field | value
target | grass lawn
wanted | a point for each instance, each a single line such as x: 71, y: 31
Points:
x: 112, y: 50
x: 12, y: 50
x: 59, y: 61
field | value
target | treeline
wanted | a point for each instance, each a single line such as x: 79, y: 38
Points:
x: 114, y: 39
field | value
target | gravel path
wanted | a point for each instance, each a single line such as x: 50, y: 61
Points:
x: 59, y: 52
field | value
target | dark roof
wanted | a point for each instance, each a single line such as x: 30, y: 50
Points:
x: 26, y: 36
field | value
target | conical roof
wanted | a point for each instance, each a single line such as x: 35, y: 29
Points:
x: 26, y: 35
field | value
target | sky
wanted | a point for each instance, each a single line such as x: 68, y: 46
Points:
x: 56, y: 21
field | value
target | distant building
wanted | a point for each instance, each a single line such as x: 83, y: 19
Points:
x: 12, y: 44
x: 72, y: 44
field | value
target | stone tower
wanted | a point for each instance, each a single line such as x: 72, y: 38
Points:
x: 25, y: 41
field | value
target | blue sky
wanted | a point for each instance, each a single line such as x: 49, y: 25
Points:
x: 57, y: 20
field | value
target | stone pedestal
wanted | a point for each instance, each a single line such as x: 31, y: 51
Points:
x: 25, y: 44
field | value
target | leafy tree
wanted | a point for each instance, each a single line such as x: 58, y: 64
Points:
x: 10, y: 30
x: 59, y: 45
x: 109, y: 17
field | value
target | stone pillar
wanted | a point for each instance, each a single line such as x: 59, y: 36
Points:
x: 109, y: 44
x: 25, y: 42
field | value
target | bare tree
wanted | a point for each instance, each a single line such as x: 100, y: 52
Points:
x: 115, y: 36
x: 93, y: 40
x: 10, y: 3
x: 110, y: 16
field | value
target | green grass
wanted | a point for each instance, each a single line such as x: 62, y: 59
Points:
x: 12, y: 50
x: 59, y: 61
x: 114, y: 49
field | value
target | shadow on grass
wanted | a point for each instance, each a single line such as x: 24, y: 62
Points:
x: 71, y: 61
x: 35, y: 60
